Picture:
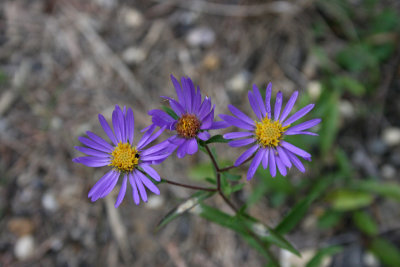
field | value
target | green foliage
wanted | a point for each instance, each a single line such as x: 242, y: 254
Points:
x: 201, y: 170
x: 386, y: 252
x: 329, y: 219
x: 389, y: 189
x: 321, y: 254
x: 346, y: 199
x: 365, y: 223
x: 217, y: 139
x: 170, y: 112
x: 183, y: 208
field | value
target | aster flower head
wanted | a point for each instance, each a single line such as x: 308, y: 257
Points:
x: 267, y: 134
x: 125, y: 159
x: 192, y: 119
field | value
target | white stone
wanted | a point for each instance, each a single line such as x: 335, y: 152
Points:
x: 154, y: 202
x: 24, y: 247
x: 388, y: 171
x: 201, y: 36
x: 314, y: 90
x: 346, y: 109
x: 50, y: 202
x: 132, y: 17
x: 391, y: 136
x: 133, y: 55
x: 370, y: 260
x: 239, y: 82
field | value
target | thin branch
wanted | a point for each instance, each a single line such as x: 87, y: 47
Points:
x: 190, y: 186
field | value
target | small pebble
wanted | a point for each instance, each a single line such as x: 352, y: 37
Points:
x: 50, y: 202
x: 346, y: 109
x: 154, y: 202
x: 132, y: 17
x: 201, y: 36
x: 388, y: 171
x: 370, y: 260
x: 24, y: 247
x: 314, y: 90
x: 239, y: 82
x: 211, y: 62
x: 133, y: 55
x: 391, y: 136
x: 377, y: 146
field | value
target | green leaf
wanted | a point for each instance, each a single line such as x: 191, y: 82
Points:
x: 329, y: 219
x: 346, y: 83
x: 330, y: 122
x: 357, y: 57
x: 199, y: 171
x: 170, y: 112
x: 365, y: 223
x: 389, y: 190
x: 386, y: 252
x: 345, y: 200
x: 242, y: 225
x: 217, y: 139
x: 297, y: 213
x: 231, y: 177
x: 321, y: 254
x: 183, y: 207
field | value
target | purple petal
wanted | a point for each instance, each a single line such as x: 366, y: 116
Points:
x: 243, y: 117
x: 92, y: 144
x: 121, y: 122
x: 234, y: 135
x: 298, y: 114
x: 100, y: 183
x: 258, y: 98
x: 241, y: 142
x: 116, y: 125
x: 197, y: 101
x: 272, y: 166
x: 151, y: 138
x: 179, y: 110
x: 146, y: 136
x: 130, y: 122
x: 265, y: 159
x: 107, y: 129
x: 300, y: 133
x: 149, y: 184
x: 122, y: 192
x: 204, y: 107
x: 150, y: 171
x: 236, y: 122
x: 206, y: 122
x: 92, y: 152
x: 295, y: 149
x: 160, y: 118
x: 281, y: 166
x: 110, y: 185
x: 296, y: 161
x: 186, y: 94
x: 192, y: 146
x: 278, y: 105
x: 246, y: 155
x: 92, y: 161
x: 254, y: 105
x: 289, y: 106
x: 268, y: 92
x: 303, y: 126
x: 218, y: 125
x: 181, y: 151
x: 178, y: 90
x: 255, y: 163
x: 135, y: 193
x: 203, y: 136
x: 140, y: 186
x: 284, y: 157
x: 99, y: 140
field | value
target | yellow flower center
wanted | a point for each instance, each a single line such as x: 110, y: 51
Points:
x: 269, y: 133
x: 188, y: 126
x: 124, y: 157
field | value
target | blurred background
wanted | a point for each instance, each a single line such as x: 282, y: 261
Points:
x: 64, y: 61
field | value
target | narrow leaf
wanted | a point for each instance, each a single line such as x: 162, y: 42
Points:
x: 321, y: 254
x: 170, y: 112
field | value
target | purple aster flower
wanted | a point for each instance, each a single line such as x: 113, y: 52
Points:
x: 268, y: 133
x: 194, y: 118
x: 131, y: 162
